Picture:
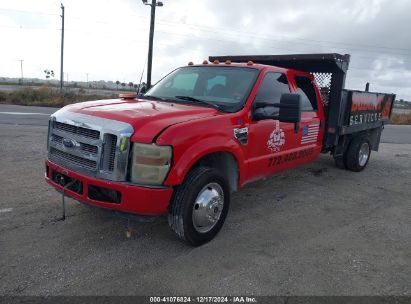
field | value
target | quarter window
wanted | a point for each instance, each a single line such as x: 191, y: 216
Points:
x: 306, y: 90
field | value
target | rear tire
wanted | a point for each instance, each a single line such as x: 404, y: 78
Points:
x: 340, y: 162
x: 358, y: 154
x: 199, y: 206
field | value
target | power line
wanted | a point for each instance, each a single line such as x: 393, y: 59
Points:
x: 219, y: 30
x: 29, y: 28
x: 282, y: 48
x: 27, y: 12
x: 260, y: 37
x: 191, y: 37
x: 231, y: 41
x: 251, y: 34
x: 227, y: 40
x: 244, y: 34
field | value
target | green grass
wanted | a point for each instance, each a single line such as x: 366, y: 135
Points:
x: 47, y: 97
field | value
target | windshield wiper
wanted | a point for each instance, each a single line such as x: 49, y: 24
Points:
x: 151, y: 97
x: 189, y: 98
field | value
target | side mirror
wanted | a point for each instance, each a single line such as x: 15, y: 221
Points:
x: 289, y: 109
x: 142, y: 90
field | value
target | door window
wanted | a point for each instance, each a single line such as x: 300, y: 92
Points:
x: 271, y: 89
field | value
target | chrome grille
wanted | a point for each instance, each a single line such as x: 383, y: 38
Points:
x: 83, y: 146
x: 109, y: 151
x: 57, y: 139
x: 86, y: 163
x: 88, y: 148
x: 89, y: 144
x: 94, y: 134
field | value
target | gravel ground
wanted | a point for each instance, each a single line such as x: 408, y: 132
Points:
x: 316, y: 230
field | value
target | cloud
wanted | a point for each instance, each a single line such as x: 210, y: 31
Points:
x: 108, y: 39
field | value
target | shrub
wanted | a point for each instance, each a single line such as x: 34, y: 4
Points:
x: 401, y: 119
x: 46, y: 96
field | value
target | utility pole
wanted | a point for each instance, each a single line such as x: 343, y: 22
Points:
x: 21, y: 69
x: 153, y: 5
x: 62, y: 47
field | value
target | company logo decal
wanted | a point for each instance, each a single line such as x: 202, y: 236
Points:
x: 242, y: 135
x: 370, y: 107
x: 277, y: 138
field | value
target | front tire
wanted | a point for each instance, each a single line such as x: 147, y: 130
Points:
x: 199, y: 206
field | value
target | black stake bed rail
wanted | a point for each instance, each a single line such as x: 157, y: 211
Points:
x: 346, y: 111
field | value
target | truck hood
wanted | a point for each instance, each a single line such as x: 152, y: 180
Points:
x: 148, y: 118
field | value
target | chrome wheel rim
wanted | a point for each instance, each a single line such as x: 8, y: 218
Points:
x: 208, y: 207
x: 363, y: 154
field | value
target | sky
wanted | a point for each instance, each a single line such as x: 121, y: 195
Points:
x: 108, y: 39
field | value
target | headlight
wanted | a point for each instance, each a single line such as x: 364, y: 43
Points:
x: 151, y: 163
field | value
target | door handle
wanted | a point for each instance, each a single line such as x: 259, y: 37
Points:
x: 296, y: 127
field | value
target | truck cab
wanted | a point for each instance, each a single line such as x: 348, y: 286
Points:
x: 201, y: 133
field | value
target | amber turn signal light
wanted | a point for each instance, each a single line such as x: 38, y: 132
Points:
x: 127, y: 95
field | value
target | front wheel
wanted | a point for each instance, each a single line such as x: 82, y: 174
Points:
x: 199, y: 206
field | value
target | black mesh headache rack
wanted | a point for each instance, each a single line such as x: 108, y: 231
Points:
x: 329, y: 72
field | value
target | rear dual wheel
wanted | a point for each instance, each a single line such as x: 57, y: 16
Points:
x: 357, y: 155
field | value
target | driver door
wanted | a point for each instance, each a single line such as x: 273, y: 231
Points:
x: 270, y: 140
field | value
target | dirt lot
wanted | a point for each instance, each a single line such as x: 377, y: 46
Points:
x: 316, y: 230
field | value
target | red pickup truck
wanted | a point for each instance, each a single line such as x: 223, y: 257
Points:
x: 206, y: 130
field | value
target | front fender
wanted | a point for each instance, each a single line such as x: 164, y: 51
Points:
x: 186, y: 158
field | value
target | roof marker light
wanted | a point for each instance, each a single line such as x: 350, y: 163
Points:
x: 190, y: 63
x: 216, y: 61
x: 228, y: 61
x: 205, y: 62
x: 249, y: 62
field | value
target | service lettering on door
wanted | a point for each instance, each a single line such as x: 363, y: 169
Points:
x: 280, y: 159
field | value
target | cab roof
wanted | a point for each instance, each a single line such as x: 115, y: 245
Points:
x: 256, y: 66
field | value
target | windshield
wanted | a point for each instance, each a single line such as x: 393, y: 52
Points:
x: 225, y: 88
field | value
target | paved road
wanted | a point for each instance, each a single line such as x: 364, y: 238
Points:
x: 316, y: 230
x: 396, y: 134
x: 23, y: 115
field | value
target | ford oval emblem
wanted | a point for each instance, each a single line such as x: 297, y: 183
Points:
x: 69, y: 143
